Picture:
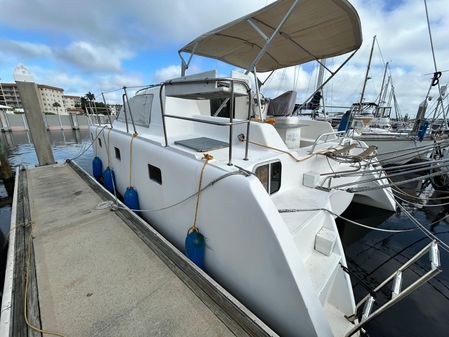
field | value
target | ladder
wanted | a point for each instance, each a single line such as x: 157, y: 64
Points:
x: 397, y: 293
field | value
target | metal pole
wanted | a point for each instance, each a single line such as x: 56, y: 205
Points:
x: 434, y: 61
x: 231, y: 117
x: 270, y: 40
x: 367, y: 73
x: 328, y: 79
x: 256, y: 81
x: 163, y: 114
x: 107, y: 109
x: 124, y: 110
x: 130, y: 112
x: 382, y: 87
x: 248, y: 124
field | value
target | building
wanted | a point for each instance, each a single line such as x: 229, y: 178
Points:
x: 52, y: 98
x: 9, y: 95
x: 52, y: 101
x: 71, y: 102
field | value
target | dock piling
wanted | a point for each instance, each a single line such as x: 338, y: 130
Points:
x: 30, y: 99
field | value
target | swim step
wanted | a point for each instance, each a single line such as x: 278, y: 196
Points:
x: 397, y: 293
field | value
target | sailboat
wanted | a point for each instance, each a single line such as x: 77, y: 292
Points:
x: 200, y: 157
x: 370, y: 123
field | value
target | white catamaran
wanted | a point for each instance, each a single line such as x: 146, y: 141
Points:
x: 196, y: 155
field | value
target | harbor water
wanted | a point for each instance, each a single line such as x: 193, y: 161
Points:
x: 372, y: 255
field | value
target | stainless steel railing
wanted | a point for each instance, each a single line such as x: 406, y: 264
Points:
x: 229, y: 124
x: 326, y: 135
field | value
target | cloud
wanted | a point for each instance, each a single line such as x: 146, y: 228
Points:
x: 90, y: 57
x: 111, y: 84
x: 97, y: 41
x: 25, y: 49
x: 167, y: 73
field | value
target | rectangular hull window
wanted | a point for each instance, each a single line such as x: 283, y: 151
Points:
x: 117, y: 154
x: 155, y: 174
x: 270, y: 176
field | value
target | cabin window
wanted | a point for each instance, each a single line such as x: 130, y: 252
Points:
x: 140, y: 107
x: 270, y: 176
x: 155, y: 174
x: 224, y: 103
x: 99, y: 142
x: 117, y: 153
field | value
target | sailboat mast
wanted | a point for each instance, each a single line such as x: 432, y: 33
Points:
x: 320, y: 79
x: 367, y: 73
x: 382, y: 87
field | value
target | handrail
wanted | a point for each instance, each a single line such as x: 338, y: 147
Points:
x: 397, y: 294
x: 231, y: 122
x: 205, y: 121
x: 327, y: 134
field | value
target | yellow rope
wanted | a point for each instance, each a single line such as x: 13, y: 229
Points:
x: 131, y: 157
x: 25, y: 304
x: 207, y: 157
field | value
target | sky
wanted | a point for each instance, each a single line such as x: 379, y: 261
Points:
x: 104, y: 45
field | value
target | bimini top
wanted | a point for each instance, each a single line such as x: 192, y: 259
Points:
x: 314, y: 29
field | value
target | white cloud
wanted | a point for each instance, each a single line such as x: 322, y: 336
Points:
x: 25, y: 49
x: 94, y: 57
x: 109, y: 33
x: 167, y: 73
x: 111, y: 85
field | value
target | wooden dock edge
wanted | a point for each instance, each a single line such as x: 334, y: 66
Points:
x: 6, y: 309
x: 20, y: 254
x: 227, y: 308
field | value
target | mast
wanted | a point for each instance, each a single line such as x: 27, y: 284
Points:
x: 320, y: 79
x: 367, y: 73
x: 382, y: 89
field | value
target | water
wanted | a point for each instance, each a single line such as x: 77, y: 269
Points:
x: 371, y: 255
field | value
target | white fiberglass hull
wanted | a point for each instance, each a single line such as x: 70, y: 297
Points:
x: 398, y: 150
x: 265, y: 259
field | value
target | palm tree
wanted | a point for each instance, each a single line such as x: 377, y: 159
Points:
x: 90, y: 96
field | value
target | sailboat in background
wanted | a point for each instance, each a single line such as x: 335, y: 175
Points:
x: 393, y: 146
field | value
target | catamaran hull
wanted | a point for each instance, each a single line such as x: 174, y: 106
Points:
x: 249, y: 249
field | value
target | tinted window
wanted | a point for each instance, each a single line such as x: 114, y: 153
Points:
x: 270, y: 176
x: 117, y: 153
x: 275, y: 177
x: 99, y: 142
x: 215, y: 104
x: 262, y: 174
x: 155, y: 174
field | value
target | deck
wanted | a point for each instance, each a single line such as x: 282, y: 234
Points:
x: 80, y: 271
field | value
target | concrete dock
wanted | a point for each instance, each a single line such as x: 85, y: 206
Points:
x: 81, y: 271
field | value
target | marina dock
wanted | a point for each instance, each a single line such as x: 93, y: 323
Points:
x: 77, y: 270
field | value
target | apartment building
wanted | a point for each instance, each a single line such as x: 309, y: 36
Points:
x: 9, y: 95
x: 52, y: 98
